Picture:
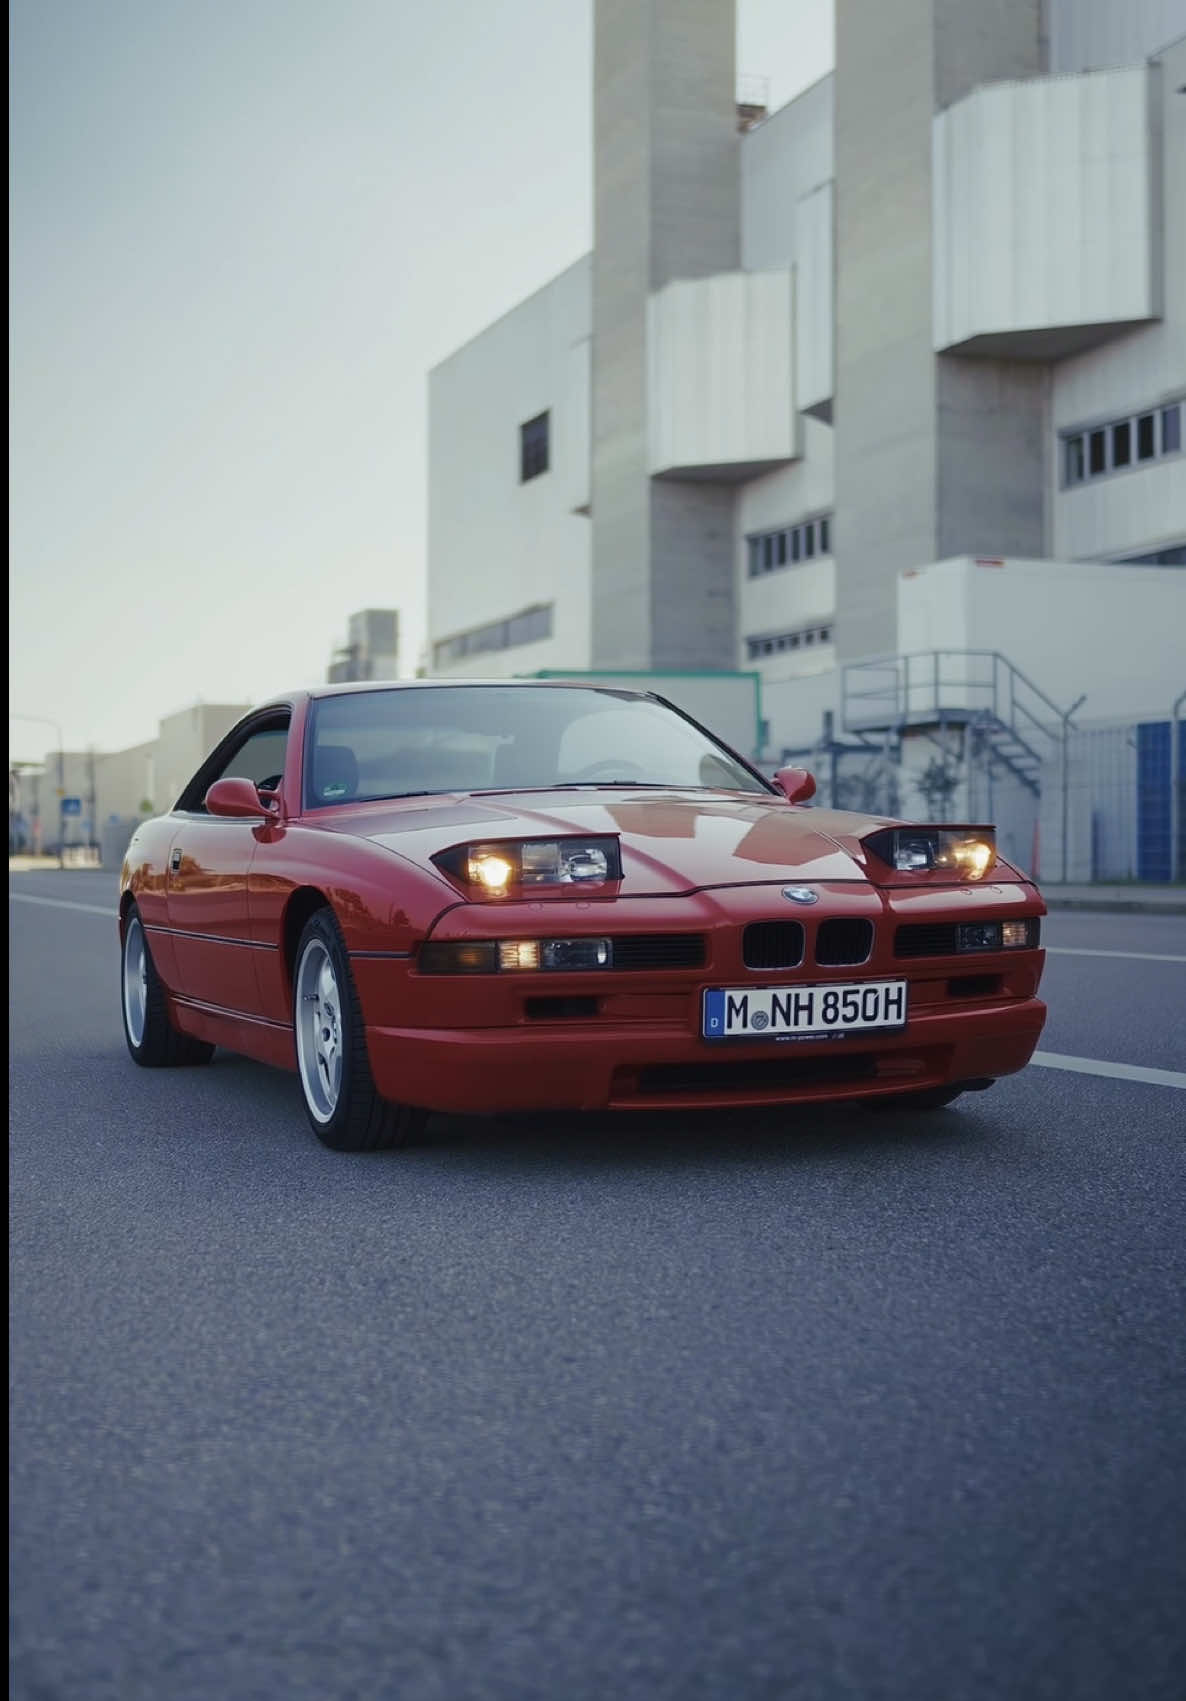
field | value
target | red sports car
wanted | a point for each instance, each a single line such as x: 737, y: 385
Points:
x: 540, y: 895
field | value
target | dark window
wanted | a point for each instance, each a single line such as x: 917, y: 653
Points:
x: 260, y: 758
x: 796, y: 543
x: 754, y: 546
x: 1171, y: 429
x: 825, y: 636
x: 825, y: 537
x: 1097, y: 459
x: 795, y: 640
x: 782, y: 549
x: 524, y: 628
x: 809, y: 540
x: 1146, y: 437
x: 1075, y: 467
x: 533, y: 447
x: 809, y: 637
x: 1122, y: 443
x: 768, y: 552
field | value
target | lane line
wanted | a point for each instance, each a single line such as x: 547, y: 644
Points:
x: 61, y: 904
x: 1120, y: 1071
x: 1129, y: 956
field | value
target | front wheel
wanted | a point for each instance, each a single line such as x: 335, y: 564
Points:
x: 346, y: 1112
x: 152, y: 1039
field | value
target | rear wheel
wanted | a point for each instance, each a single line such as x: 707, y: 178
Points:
x: 152, y: 1039
x: 345, y: 1110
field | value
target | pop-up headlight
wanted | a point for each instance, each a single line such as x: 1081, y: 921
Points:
x: 966, y: 852
x: 493, y: 870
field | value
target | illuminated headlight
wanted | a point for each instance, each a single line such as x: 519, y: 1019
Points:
x: 497, y: 868
x: 968, y: 852
x: 510, y: 956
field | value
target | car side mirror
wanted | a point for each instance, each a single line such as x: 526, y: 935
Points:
x: 237, y: 797
x: 795, y: 784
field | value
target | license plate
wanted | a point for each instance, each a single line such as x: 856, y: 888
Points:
x: 803, y: 1012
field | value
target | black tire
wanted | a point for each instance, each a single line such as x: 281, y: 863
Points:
x: 159, y: 1045
x: 346, y: 1114
x: 931, y: 1098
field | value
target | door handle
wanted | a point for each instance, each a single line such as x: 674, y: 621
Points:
x: 175, y: 860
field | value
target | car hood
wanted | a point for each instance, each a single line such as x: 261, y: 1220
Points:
x: 671, y: 841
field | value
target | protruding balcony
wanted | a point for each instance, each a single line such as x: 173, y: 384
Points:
x: 1045, y: 238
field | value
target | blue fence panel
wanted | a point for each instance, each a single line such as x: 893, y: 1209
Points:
x: 1154, y: 794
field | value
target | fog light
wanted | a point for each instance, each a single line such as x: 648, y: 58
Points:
x: 1015, y: 933
x: 518, y: 954
x: 576, y: 954
x: 978, y: 936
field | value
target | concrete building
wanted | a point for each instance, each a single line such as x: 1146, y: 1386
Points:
x: 371, y: 650
x: 932, y: 311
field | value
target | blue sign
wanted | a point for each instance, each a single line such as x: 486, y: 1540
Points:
x: 72, y: 806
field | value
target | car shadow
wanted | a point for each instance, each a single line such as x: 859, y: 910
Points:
x: 682, y: 1139
x: 240, y: 1103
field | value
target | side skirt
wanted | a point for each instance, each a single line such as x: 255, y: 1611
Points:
x: 251, y: 1036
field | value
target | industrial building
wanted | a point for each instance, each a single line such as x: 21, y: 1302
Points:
x: 371, y: 650
x: 897, y: 370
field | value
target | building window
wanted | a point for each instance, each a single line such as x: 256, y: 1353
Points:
x: 526, y: 627
x: 1174, y: 556
x: 533, y: 447
x: 1121, y: 444
x: 767, y: 551
x: 775, y: 643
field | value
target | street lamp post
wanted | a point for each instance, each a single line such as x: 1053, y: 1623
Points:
x: 44, y: 720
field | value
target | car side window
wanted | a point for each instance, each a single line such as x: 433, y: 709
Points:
x: 260, y: 759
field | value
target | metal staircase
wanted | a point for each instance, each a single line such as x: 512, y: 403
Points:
x: 1010, y: 720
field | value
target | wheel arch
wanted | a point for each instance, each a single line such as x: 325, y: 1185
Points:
x: 302, y: 903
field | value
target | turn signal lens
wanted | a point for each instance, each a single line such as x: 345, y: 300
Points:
x: 1015, y: 934
x: 489, y: 956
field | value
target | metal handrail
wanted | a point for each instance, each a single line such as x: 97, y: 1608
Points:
x: 906, y: 674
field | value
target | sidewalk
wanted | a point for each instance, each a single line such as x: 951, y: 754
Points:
x: 1116, y: 900
x: 35, y: 864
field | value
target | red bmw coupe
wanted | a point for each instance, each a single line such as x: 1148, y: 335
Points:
x: 538, y: 895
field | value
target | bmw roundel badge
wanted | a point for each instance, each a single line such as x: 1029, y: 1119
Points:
x: 801, y: 894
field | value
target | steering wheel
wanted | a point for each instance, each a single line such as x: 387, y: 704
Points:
x: 612, y: 769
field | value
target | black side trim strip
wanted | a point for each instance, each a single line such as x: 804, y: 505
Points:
x: 211, y: 938
x: 234, y: 1015
x: 400, y: 956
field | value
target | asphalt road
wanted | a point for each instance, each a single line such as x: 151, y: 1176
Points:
x: 730, y: 1406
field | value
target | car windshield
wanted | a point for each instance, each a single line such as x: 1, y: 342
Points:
x: 366, y: 745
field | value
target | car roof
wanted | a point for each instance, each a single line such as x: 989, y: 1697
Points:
x: 355, y: 685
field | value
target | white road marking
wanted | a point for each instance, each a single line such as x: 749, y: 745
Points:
x: 1120, y: 1071
x: 62, y: 904
x: 1130, y: 956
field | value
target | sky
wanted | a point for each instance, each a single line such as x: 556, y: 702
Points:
x: 240, y: 235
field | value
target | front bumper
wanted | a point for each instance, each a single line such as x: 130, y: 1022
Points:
x: 473, y: 1044
x: 616, y: 1066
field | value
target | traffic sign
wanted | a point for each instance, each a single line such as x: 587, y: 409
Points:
x: 72, y: 806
